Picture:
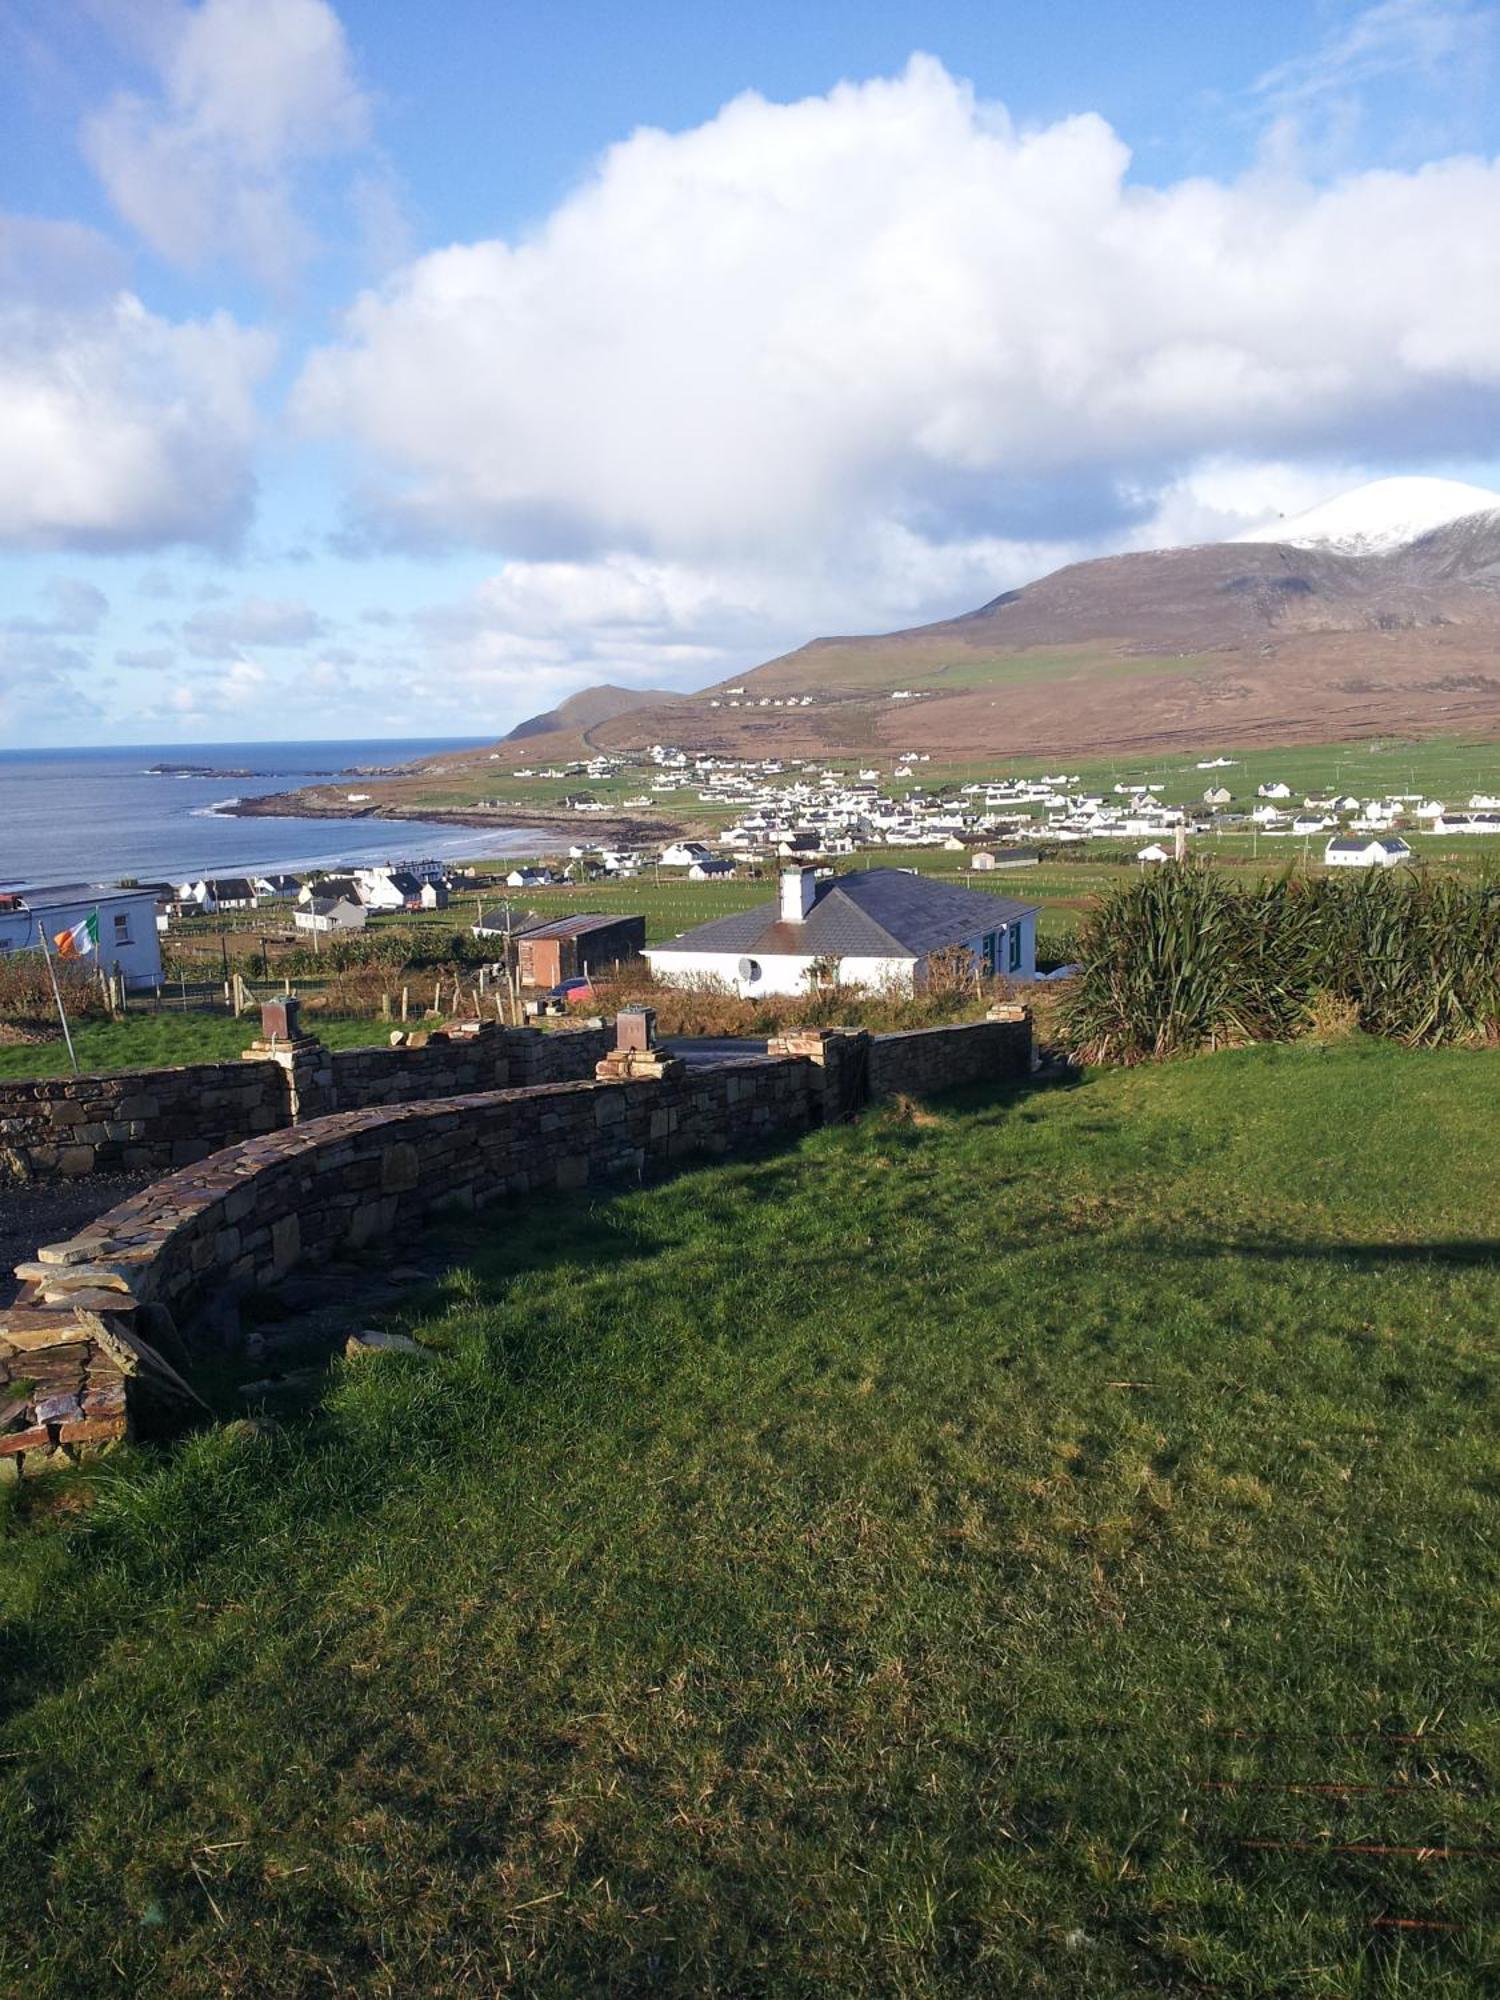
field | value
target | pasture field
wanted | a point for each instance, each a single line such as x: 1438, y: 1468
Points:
x: 1037, y: 1543
x: 157, y: 1041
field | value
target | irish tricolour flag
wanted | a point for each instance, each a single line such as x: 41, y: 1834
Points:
x: 81, y: 940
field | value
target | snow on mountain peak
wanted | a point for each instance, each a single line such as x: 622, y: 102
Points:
x: 1372, y: 520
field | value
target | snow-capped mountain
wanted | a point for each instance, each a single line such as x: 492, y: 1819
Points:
x: 1376, y: 613
x: 1374, y: 520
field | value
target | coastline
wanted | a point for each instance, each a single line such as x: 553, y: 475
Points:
x: 600, y: 828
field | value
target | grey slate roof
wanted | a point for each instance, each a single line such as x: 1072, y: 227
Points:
x: 876, y: 913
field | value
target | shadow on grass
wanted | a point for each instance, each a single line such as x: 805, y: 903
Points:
x: 1460, y: 1254
x: 168, y: 1512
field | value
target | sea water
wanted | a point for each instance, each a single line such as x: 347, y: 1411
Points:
x: 95, y: 815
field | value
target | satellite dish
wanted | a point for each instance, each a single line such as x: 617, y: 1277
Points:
x: 749, y: 969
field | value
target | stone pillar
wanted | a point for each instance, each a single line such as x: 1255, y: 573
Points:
x: 841, y: 1056
x: 636, y: 1052
x: 303, y: 1060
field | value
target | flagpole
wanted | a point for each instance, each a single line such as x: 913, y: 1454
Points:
x: 62, y: 1012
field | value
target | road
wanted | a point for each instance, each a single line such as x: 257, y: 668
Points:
x: 703, y: 1051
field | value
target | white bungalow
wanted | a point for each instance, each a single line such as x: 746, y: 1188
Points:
x: 880, y: 928
x: 1350, y: 850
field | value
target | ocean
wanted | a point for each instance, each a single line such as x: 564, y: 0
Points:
x: 95, y: 815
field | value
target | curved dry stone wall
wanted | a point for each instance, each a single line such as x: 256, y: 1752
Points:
x: 154, y: 1120
x: 101, y: 1338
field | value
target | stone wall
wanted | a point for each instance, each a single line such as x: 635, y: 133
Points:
x: 923, y: 1060
x: 856, y: 1066
x: 461, y: 1064
x: 142, y: 1120
x: 249, y: 1214
x: 95, y: 1341
x: 156, y: 1120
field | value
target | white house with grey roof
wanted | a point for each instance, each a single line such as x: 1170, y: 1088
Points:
x: 1354, y: 850
x: 128, y: 938
x: 878, y: 928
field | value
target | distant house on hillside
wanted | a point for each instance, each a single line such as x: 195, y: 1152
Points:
x: 330, y: 913
x: 224, y: 892
x: 1218, y: 795
x: 712, y: 869
x: 1355, y: 850
x: 331, y: 889
x: 881, y: 927
x: 388, y: 888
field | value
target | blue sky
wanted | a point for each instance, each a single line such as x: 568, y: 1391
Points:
x: 379, y: 370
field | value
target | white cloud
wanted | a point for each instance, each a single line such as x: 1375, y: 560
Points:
x: 1432, y: 57
x: 248, y: 92
x: 42, y: 684
x: 74, y: 609
x: 1218, y: 499
x: 254, y: 621
x: 805, y: 328
x: 121, y: 428
x: 537, y: 631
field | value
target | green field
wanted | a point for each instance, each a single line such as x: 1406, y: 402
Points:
x: 154, y: 1041
x: 1040, y: 1546
x: 1442, y: 767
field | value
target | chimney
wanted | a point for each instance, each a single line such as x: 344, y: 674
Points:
x: 798, y: 886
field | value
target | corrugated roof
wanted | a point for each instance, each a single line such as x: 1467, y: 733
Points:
x: 578, y: 926
x: 875, y: 913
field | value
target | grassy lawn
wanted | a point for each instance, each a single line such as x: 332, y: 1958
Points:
x: 155, y: 1041
x: 1045, y: 1545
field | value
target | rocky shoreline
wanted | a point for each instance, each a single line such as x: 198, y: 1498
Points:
x: 597, y: 828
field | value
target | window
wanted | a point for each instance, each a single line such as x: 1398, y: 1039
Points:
x: 122, y: 927
x: 1015, y: 947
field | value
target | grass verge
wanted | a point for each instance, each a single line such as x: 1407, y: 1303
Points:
x: 1045, y: 1545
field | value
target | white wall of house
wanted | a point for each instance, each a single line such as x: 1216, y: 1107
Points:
x: 377, y: 890
x: 1371, y: 856
x: 128, y: 937
x: 344, y: 916
x: 788, y: 972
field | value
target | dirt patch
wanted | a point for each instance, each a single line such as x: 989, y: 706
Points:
x: 51, y: 1211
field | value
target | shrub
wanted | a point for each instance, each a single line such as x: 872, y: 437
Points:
x: 26, y: 989
x: 1180, y: 960
x: 708, y: 1006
